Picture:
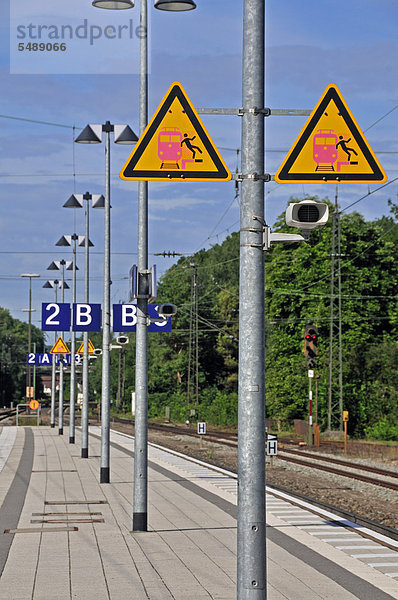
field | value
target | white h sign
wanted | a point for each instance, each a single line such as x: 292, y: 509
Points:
x: 201, y: 427
x: 272, y: 444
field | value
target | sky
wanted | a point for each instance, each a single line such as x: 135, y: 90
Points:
x: 47, y: 97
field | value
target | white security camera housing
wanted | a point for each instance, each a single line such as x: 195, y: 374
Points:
x: 166, y: 310
x: 307, y: 215
x: 122, y: 339
x: 97, y: 351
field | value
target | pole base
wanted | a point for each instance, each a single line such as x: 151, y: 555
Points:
x: 53, y: 425
x: 84, y: 452
x: 72, y: 439
x: 140, y: 521
x: 61, y: 431
x: 104, y: 475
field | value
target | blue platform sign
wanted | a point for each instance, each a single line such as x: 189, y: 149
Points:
x: 125, y: 318
x: 86, y: 317
x: 44, y: 359
x: 55, y: 316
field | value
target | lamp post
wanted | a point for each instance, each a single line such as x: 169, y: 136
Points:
x: 55, y: 284
x: 28, y: 371
x: 60, y: 265
x: 82, y: 240
x: 92, y: 134
x: 140, y: 500
x: 71, y: 266
x: 76, y: 201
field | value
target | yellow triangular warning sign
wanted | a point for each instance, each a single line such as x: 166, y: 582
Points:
x: 90, y: 348
x: 60, y: 347
x: 331, y: 148
x: 175, y: 145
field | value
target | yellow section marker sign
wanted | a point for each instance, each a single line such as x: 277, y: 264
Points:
x: 60, y: 347
x: 331, y: 148
x: 90, y: 348
x: 175, y: 146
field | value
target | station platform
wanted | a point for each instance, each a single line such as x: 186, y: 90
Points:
x: 65, y: 536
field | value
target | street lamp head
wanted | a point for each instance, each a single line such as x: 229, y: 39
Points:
x: 114, y: 4
x: 123, y: 134
x: 91, y: 134
x: 30, y: 275
x: 98, y: 201
x: 175, y: 5
x: 73, y: 202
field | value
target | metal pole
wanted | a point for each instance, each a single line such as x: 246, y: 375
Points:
x: 84, y: 421
x: 61, y: 367
x: 72, y: 397
x: 28, y: 382
x: 53, y: 371
x: 105, y: 393
x: 251, y: 582
x: 34, y: 374
x: 140, y: 498
x: 310, y: 432
x: 339, y: 324
x: 331, y: 322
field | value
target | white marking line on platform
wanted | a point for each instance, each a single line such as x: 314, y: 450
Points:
x: 330, y: 533
x: 378, y: 565
x: 385, y: 555
x: 287, y: 511
x: 391, y: 574
x: 357, y: 547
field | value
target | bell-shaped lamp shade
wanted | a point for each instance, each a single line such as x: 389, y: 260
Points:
x: 91, y: 134
x: 113, y: 4
x: 98, y: 201
x: 175, y: 5
x: 65, y: 240
x: 123, y: 134
x: 54, y: 266
x: 74, y: 202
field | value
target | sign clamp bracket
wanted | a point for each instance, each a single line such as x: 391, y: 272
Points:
x: 251, y: 176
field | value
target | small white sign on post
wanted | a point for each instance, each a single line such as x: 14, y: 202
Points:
x: 272, y: 444
x: 201, y: 427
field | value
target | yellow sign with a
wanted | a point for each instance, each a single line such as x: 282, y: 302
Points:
x: 331, y: 148
x: 60, y: 347
x: 34, y: 404
x: 90, y: 348
x: 175, y: 146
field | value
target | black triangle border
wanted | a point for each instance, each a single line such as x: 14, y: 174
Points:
x: 377, y: 174
x: 129, y: 170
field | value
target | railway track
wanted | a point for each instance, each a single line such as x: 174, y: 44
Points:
x: 335, y: 466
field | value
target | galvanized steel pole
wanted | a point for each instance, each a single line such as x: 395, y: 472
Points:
x: 140, y: 498
x: 251, y: 582
x: 106, y: 319
x: 53, y: 372
x: 72, y: 396
x: 84, y: 421
x: 61, y: 366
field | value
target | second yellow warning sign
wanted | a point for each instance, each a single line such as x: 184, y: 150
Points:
x: 331, y: 148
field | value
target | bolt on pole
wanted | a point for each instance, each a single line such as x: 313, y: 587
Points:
x: 251, y: 583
